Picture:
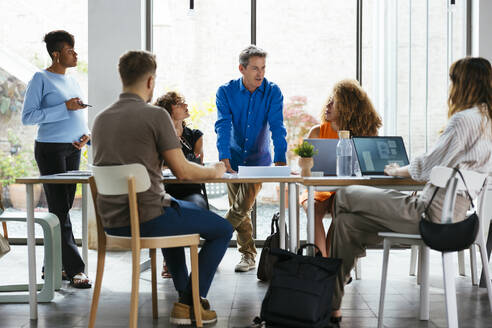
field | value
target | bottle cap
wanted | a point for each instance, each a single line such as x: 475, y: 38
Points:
x: 344, y: 134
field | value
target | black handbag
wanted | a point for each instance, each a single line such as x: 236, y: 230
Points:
x: 301, y: 290
x: 267, y: 260
x: 449, y: 237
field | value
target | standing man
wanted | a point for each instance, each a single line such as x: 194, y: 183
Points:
x: 247, y: 108
x: 132, y: 131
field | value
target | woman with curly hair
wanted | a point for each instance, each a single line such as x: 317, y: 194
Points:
x: 348, y: 108
x: 192, y: 147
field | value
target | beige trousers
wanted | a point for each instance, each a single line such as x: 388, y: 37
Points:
x: 241, y: 200
x: 360, y: 213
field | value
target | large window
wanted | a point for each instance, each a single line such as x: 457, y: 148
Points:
x: 197, y: 51
x: 22, y: 52
x: 407, y: 48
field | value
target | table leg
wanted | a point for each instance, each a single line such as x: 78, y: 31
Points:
x: 31, y: 254
x: 281, y: 221
x: 298, y: 218
x: 310, y: 215
x: 292, y: 217
x: 85, y: 256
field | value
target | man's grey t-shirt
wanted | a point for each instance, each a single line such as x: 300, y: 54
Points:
x: 132, y: 131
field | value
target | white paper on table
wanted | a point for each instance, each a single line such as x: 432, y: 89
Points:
x: 263, y: 171
x: 229, y: 175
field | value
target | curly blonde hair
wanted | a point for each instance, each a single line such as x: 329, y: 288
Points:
x: 355, y: 110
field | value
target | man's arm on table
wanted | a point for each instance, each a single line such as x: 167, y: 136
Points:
x: 186, y: 170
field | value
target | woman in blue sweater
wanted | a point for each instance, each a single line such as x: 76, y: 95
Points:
x: 53, y: 102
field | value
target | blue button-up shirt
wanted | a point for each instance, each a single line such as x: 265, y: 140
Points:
x: 244, y: 123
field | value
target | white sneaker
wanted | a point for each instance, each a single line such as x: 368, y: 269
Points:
x: 246, y: 264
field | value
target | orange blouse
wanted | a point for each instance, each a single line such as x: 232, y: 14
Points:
x: 325, y: 132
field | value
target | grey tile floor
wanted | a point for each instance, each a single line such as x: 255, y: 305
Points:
x: 237, y: 297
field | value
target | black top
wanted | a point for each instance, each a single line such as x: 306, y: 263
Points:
x: 188, y: 140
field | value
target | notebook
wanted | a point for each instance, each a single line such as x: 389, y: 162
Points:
x: 374, y: 153
x: 326, y: 159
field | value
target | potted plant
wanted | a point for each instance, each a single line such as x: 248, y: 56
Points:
x: 305, y: 151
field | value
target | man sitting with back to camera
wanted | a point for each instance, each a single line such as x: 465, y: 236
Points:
x: 133, y: 131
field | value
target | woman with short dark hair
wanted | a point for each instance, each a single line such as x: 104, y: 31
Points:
x: 53, y: 102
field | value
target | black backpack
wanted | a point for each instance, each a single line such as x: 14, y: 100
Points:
x: 301, y: 290
x: 267, y: 260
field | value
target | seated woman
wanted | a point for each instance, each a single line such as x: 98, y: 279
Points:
x: 192, y: 146
x: 348, y: 108
x: 361, y: 212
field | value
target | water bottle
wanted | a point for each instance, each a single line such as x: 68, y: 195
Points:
x: 344, y: 154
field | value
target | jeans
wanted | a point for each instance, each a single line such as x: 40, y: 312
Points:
x: 187, y: 218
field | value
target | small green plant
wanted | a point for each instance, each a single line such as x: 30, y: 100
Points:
x: 305, y: 150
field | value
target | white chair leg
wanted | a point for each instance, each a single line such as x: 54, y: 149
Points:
x: 461, y: 263
x: 384, y: 275
x: 358, y: 269
x: 473, y: 264
x: 424, y: 285
x: 485, y: 267
x: 450, y: 289
x: 413, y: 259
x: 419, y: 267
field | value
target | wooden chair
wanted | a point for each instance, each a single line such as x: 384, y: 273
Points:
x: 131, y: 179
x: 439, y: 177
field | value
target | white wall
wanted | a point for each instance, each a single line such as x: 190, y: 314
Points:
x: 115, y: 26
x: 482, y: 28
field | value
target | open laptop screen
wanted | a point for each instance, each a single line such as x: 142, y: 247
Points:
x: 374, y: 153
x: 326, y: 158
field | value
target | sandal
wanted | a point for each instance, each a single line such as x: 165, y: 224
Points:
x: 81, y: 281
x: 165, y: 272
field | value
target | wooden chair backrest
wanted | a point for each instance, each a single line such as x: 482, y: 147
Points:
x: 119, y: 180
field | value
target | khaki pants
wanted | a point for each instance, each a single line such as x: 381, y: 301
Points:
x: 241, y: 200
x: 360, y: 213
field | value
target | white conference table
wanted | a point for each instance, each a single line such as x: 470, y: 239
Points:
x: 333, y: 183
x: 291, y: 182
x: 31, y: 241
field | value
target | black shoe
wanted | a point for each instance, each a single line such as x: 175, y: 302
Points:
x: 335, y: 322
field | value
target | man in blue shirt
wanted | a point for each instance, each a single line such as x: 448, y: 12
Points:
x: 248, y: 109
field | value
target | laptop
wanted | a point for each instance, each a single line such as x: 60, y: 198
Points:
x: 374, y: 153
x: 326, y: 159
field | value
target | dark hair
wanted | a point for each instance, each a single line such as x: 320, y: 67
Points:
x: 134, y: 65
x: 168, y: 100
x: 251, y: 51
x: 55, y: 40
